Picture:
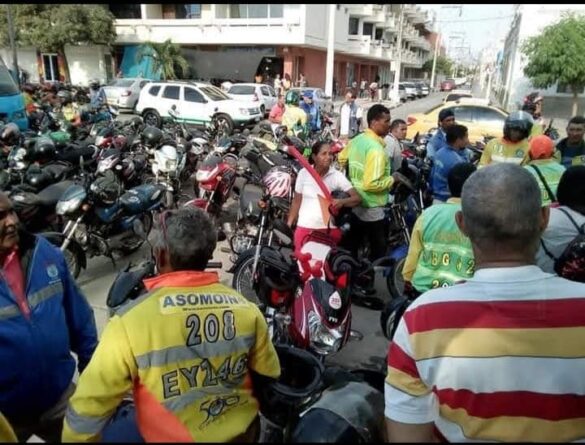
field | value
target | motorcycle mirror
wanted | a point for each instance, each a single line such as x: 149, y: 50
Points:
x: 174, y: 107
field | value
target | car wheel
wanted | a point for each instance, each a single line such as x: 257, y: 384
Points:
x: 263, y: 110
x: 223, y: 120
x: 151, y: 117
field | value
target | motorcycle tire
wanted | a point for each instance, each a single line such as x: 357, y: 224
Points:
x: 394, y: 280
x: 391, y: 314
x: 242, y: 281
x: 73, y: 263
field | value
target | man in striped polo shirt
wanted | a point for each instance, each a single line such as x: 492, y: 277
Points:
x: 500, y: 357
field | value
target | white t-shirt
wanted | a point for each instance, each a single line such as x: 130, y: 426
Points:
x: 344, y: 114
x: 310, y: 215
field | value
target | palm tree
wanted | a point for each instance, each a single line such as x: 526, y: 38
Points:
x: 166, y: 57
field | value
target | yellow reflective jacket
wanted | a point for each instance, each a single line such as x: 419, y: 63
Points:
x: 6, y: 432
x: 185, y: 349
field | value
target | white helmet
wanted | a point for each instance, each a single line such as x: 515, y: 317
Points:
x: 277, y: 182
x: 165, y: 160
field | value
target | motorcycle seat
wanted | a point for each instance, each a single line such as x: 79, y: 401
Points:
x: 49, y: 196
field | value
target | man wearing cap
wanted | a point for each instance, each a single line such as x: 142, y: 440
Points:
x: 312, y: 110
x: 545, y: 168
x: 438, y: 141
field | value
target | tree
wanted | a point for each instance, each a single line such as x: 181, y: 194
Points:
x: 166, y: 57
x: 444, y: 65
x: 557, y: 55
x: 50, y: 27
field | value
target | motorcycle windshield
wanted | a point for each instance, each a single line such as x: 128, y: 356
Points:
x: 74, y: 192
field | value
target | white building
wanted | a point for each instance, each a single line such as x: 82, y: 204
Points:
x: 529, y: 21
x: 236, y: 41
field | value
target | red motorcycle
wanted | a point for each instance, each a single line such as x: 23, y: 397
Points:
x: 215, y: 179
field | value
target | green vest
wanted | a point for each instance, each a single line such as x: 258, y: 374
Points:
x: 447, y: 256
x: 360, y: 146
x: 551, y: 171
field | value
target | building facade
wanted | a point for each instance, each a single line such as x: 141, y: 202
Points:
x: 238, y: 41
x: 511, y: 85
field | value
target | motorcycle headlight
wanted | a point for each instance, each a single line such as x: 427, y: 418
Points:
x: 324, y: 341
x: 64, y: 207
x: 244, y: 111
x: 171, y: 164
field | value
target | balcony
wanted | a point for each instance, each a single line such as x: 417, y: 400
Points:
x: 359, y: 10
x: 421, y: 42
x: 285, y: 31
x: 358, y: 45
x: 419, y: 16
x: 410, y: 9
x: 391, y: 23
x: 377, y: 17
x: 377, y: 49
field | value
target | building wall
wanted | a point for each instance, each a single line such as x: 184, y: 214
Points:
x: 27, y: 60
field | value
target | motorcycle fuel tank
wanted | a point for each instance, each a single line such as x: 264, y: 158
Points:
x: 141, y: 198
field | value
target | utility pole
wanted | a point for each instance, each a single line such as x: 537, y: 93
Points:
x: 330, y: 51
x: 395, y: 95
x: 12, y: 41
x: 489, y: 85
x: 437, y: 46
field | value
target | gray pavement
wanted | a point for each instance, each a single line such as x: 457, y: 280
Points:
x: 369, y: 352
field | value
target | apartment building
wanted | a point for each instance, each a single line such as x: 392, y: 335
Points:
x: 511, y: 86
x: 238, y: 41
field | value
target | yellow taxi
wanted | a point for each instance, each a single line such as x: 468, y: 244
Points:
x: 478, y: 115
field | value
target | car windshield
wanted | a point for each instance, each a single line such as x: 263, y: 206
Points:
x: 8, y: 86
x: 123, y: 83
x: 242, y: 89
x: 214, y: 93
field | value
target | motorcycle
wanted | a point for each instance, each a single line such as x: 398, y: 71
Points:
x: 101, y: 218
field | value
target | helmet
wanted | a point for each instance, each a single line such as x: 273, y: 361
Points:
x: 278, y: 272
x: 151, y: 137
x: 292, y: 98
x: 343, y: 216
x: 10, y: 134
x: 277, y: 181
x: 300, y: 381
x: 541, y: 147
x: 94, y: 84
x: 44, y: 148
x: 37, y: 177
x: 106, y: 189
x: 308, y: 94
x: 136, y: 122
x: 518, y: 120
x: 64, y: 96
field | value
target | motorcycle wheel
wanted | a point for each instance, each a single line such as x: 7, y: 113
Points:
x: 242, y: 281
x: 394, y: 280
x: 392, y: 313
x: 147, y: 221
x: 73, y: 263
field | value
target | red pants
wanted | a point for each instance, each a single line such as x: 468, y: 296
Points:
x: 301, y: 233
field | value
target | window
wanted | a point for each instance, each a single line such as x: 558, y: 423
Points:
x: 464, y: 114
x: 488, y: 116
x: 272, y: 92
x: 368, y: 29
x: 171, y: 92
x: 379, y: 34
x: 354, y: 24
x: 188, y: 11
x: 276, y: 11
x: 192, y: 95
x: 214, y: 93
x: 126, y: 10
x: 249, y: 11
x: 265, y: 92
x: 257, y: 11
x: 50, y: 67
x: 144, y: 82
x: 242, y: 89
x: 154, y: 90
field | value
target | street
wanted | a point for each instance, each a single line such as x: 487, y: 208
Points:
x: 370, y: 352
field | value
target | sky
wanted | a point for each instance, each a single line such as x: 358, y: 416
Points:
x: 478, y: 33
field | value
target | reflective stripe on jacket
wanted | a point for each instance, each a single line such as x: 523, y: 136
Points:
x: 185, y: 348
x: 37, y: 365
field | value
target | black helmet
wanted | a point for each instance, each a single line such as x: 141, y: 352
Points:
x: 65, y: 96
x: 94, y: 84
x: 343, y: 216
x: 106, y: 189
x: 292, y: 98
x: 275, y: 271
x: 136, y: 122
x: 37, y: 177
x: 10, y: 134
x: 300, y: 382
x: 518, y: 120
x: 44, y: 148
x: 152, y: 136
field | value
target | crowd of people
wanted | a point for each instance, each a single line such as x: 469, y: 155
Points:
x: 489, y: 348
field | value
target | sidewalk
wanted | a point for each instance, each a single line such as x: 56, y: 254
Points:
x: 367, y: 103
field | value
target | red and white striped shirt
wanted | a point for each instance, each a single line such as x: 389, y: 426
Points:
x: 498, y: 358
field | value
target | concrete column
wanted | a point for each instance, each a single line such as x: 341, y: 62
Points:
x: 330, y: 51
x: 144, y: 11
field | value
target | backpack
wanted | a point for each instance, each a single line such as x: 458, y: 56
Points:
x: 571, y: 263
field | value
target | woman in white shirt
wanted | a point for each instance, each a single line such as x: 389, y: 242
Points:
x: 310, y: 209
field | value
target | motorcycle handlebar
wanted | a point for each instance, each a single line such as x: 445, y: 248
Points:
x: 214, y: 265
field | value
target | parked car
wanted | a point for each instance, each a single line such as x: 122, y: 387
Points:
x: 424, y: 88
x: 124, y: 93
x: 448, y: 84
x: 402, y: 93
x: 197, y: 103
x: 319, y: 97
x: 264, y: 95
x: 480, y: 118
x: 410, y: 90
x: 457, y: 94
